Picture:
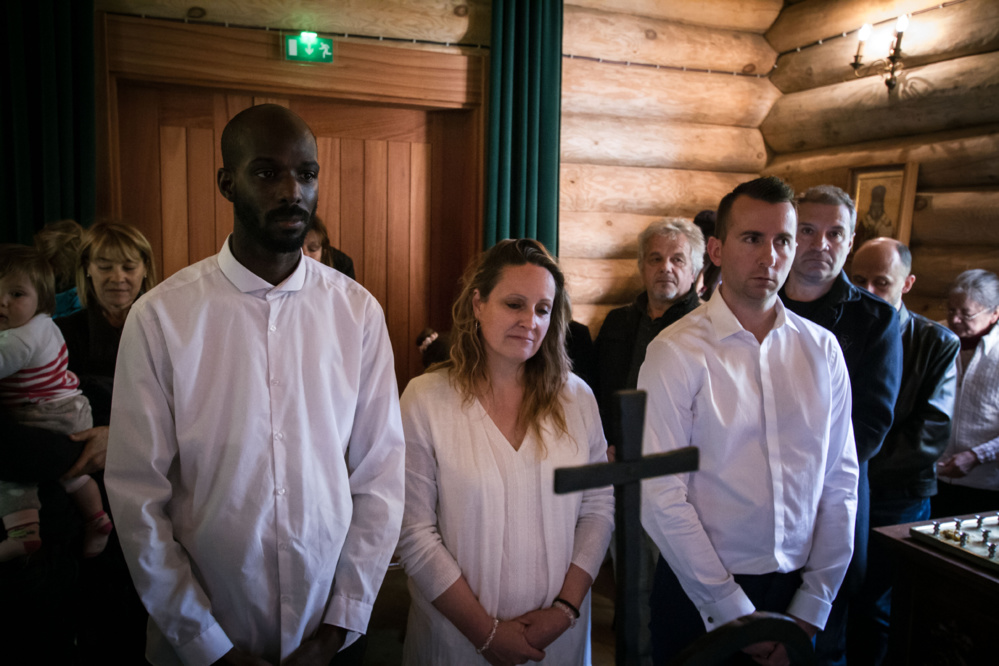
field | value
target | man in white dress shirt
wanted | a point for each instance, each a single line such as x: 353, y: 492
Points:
x: 255, y: 462
x: 767, y: 522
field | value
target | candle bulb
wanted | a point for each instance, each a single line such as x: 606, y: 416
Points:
x: 900, y: 25
x: 863, y: 35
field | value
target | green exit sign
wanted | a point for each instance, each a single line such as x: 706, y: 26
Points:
x: 308, y: 47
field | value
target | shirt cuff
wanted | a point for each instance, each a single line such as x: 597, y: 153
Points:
x: 206, y: 649
x: 351, y: 614
x: 725, y: 610
x: 985, y: 453
x: 810, y: 608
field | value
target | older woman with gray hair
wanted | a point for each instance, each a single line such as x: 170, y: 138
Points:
x: 968, y: 467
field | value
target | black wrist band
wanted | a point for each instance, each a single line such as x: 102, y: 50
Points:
x: 575, y: 611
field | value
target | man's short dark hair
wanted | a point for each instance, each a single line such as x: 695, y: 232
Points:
x: 769, y: 189
x: 830, y: 195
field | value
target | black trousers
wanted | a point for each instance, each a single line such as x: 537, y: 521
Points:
x: 675, y: 622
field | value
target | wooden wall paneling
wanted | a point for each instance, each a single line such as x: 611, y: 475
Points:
x: 646, y: 191
x: 264, y: 99
x: 375, y: 218
x: 419, y: 247
x: 601, y: 281
x: 960, y: 29
x: 108, y: 201
x: 140, y: 169
x: 746, y: 15
x: 957, y: 93
x: 602, y: 235
x: 931, y: 306
x: 397, y: 255
x: 936, y: 152
x: 645, y: 92
x: 352, y: 203
x: 808, y: 22
x: 173, y: 198
x: 975, y: 170
x: 225, y: 106
x: 247, y: 59
x: 592, y: 315
x: 465, y: 21
x: 631, y: 38
x: 362, y: 121
x: 456, y: 210
x: 201, y: 193
x: 964, y: 218
x: 613, y: 140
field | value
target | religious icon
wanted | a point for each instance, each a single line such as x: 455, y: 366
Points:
x: 884, y: 197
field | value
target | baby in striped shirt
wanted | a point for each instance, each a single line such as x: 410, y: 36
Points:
x: 38, y: 389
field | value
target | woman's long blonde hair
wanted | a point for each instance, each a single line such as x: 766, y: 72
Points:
x: 546, y: 372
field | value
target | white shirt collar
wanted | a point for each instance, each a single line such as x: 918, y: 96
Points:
x: 248, y: 282
x: 726, y: 323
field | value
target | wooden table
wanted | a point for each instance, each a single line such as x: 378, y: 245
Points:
x: 944, y: 610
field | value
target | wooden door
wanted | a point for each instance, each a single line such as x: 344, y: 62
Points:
x: 374, y: 190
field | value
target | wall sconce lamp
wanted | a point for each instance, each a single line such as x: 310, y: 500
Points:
x: 890, y: 65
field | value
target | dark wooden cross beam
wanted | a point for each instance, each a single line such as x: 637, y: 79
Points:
x: 626, y: 474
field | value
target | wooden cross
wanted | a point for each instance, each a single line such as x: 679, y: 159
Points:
x: 626, y: 474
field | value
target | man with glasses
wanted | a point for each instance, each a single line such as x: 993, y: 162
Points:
x: 903, y: 474
x: 867, y: 330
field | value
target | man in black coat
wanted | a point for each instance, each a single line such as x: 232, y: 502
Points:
x: 903, y: 474
x: 670, y: 256
x: 868, y: 333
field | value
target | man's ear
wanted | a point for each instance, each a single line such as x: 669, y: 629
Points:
x: 714, y: 250
x: 907, y: 285
x: 224, y: 180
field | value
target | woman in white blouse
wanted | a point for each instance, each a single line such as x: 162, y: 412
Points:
x: 968, y: 467
x: 500, y: 567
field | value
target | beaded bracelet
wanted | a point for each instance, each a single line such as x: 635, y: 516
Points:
x: 575, y: 611
x: 489, y: 640
x: 565, y: 608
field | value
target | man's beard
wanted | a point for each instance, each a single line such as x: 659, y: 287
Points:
x: 267, y: 235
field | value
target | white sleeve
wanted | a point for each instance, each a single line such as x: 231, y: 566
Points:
x: 596, y: 512
x: 427, y: 560
x: 670, y: 520
x: 835, y: 521
x: 141, y: 458
x: 375, y: 462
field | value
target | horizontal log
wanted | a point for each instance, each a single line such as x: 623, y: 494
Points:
x: 243, y: 59
x: 976, y: 170
x: 631, y: 38
x: 612, y: 140
x: 945, y: 95
x: 643, y: 92
x: 954, y: 31
x: 468, y: 22
x: 677, y: 192
x: 808, y: 22
x: 602, y: 235
x: 592, y: 315
x: 746, y: 15
x: 964, y: 218
x: 935, y: 267
x: 602, y: 281
x: 941, y: 153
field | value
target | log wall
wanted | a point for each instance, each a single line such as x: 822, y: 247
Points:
x: 943, y: 115
x: 661, y: 108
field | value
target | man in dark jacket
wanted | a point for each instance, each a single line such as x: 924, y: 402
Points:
x: 868, y: 333
x: 903, y: 473
x: 670, y: 256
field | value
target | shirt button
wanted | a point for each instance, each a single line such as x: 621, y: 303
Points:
x: 279, y: 435
x: 285, y: 599
x: 272, y: 328
x: 711, y: 619
x: 281, y: 491
x: 283, y: 546
x: 275, y: 382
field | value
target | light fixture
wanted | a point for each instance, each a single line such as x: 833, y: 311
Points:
x: 889, y: 66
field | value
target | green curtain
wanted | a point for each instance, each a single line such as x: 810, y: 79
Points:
x: 47, y: 117
x: 523, y: 155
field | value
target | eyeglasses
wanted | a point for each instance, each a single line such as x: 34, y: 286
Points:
x: 960, y: 316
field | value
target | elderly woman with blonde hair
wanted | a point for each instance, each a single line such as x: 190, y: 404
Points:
x: 500, y: 567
